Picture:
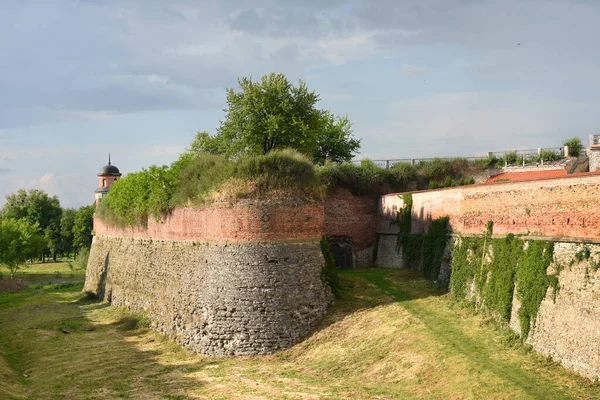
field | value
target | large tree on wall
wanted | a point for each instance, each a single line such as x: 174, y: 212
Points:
x: 274, y: 114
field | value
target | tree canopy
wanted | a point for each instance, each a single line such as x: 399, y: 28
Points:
x: 36, y: 207
x: 82, y: 227
x: 20, y: 241
x: 273, y: 114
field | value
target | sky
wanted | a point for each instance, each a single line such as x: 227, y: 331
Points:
x: 417, y: 78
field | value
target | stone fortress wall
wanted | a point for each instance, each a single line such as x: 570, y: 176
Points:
x: 563, y: 210
x: 229, y: 279
x: 244, y: 278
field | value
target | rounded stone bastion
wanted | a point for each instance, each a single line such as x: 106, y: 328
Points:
x: 224, y: 280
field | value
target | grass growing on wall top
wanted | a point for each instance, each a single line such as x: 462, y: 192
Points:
x: 195, y: 180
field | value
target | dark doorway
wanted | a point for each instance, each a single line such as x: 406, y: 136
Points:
x: 341, y: 247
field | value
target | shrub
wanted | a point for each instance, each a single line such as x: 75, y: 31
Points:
x: 510, y: 157
x: 435, y: 169
x: 575, y: 146
x: 329, y: 274
x: 359, y: 179
x: 548, y: 155
x: 195, y: 179
x: 401, y: 174
x: 279, y: 170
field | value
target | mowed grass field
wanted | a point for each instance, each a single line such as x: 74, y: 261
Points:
x: 392, y: 335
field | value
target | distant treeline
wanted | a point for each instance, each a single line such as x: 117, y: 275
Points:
x: 33, y: 226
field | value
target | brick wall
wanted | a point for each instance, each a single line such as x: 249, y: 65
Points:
x: 221, y: 222
x: 563, y: 207
x: 355, y: 217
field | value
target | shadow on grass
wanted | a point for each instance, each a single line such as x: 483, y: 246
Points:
x: 57, y: 351
x: 451, y: 330
x: 360, y: 290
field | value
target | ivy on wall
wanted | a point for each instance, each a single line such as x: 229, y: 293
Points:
x: 532, y: 281
x: 423, y: 251
x: 486, y: 271
x: 329, y: 272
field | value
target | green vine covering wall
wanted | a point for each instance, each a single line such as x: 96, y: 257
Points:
x: 425, y: 251
x: 485, y: 272
x: 329, y: 272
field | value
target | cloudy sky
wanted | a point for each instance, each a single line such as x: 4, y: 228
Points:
x: 418, y: 78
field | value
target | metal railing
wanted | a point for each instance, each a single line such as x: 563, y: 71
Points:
x: 521, y: 156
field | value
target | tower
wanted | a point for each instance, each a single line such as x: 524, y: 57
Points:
x: 106, y: 177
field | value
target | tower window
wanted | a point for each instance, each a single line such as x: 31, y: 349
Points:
x: 103, y: 182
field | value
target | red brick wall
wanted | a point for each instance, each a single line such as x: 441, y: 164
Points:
x: 354, y: 216
x: 242, y: 222
x: 563, y: 207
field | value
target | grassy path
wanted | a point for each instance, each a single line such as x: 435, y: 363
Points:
x: 391, y: 336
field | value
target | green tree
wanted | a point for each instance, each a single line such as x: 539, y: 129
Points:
x: 270, y: 114
x: 274, y: 114
x: 575, y: 146
x: 20, y: 241
x: 37, y: 207
x: 82, y: 227
x: 334, y: 141
x: 66, y: 230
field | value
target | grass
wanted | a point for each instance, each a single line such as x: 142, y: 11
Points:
x: 44, y: 273
x: 391, y: 335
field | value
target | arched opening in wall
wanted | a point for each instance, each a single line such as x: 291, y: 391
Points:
x: 341, y: 247
x: 103, y: 182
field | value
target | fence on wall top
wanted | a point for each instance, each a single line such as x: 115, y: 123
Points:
x: 521, y: 154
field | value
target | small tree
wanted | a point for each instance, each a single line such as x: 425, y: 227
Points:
x: 274, y: 114
x: 270, y: 114
x: 575, y: 146
x: 19, y: 241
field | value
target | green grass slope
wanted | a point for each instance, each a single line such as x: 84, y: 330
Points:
x: 392, y: 335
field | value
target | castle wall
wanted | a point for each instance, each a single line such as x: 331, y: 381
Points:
x: 563, y: 207
x: 564, y: 210
x: 355, y: 217
x: 240, y: 221
x: 222, y: 280
x: 568, y: 327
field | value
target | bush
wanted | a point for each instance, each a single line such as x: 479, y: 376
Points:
x: 279, y: 170
x: 196, y: 179
x: 436, y: 169
x: 510, y: 157
x: 575, y: 146
x: 359, y: 179
x: 329, y: 273
x: 82, y: 259
x: 547, y: 155
x: 401, y: 174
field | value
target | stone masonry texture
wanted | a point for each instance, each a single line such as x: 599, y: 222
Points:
x: 564, y: 210
x: 568, y: 327
x: 215, y: 299
x: 228, y: 279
